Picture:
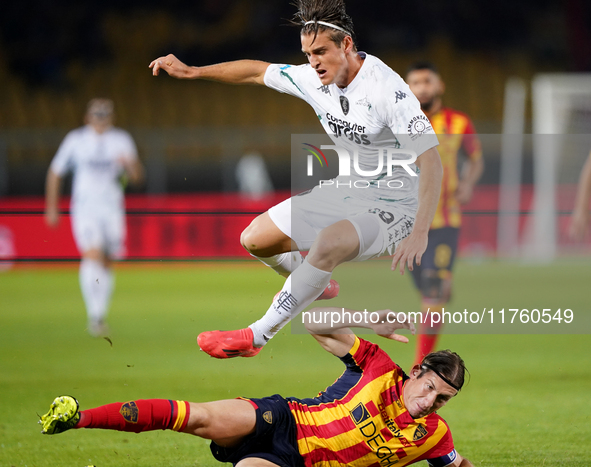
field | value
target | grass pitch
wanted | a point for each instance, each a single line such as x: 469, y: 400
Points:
x: 527, y: 403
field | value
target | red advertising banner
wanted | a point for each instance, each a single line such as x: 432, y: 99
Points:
x: 201, y: 226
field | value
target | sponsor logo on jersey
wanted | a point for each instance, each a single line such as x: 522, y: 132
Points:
x: 130, y: 412
x: 268, y: 417
x: 352, y: 131
x: 420, y: 433
x: 389, y: 422
x: 418, y: 125
x: 325, y: 89
x: 359, y: 414
x: 344, y: 104
x: 364, y: 102
x: 372, y: 436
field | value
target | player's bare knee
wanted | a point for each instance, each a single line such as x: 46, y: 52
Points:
x: 255, y: 462
x: 94, y: 254
x: 328, y: 251
x: 199, y: 420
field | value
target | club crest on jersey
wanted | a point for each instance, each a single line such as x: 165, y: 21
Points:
x: 420, y: 433
x: 268, y: 417
x: 344, y: 104
x: 129, y: 411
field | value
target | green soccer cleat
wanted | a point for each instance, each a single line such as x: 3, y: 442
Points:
x: 63, y: 414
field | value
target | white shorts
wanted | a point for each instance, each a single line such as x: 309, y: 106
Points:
x: 100, y: 230
x: 303, y: 216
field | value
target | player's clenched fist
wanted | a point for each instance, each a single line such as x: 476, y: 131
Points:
x: 173, y: 66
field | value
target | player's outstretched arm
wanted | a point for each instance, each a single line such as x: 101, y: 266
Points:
x: 580, y: 218
x: 330, y: 326
x: 237, y: 72
x: 53, y: 184
x: 413, y: 246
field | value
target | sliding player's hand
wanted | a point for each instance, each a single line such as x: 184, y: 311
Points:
x: 409, y: 251
x: 389, y: 323
x: 172, y: 65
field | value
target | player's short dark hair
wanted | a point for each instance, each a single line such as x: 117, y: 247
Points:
x: 447, y: 364
x: 329, y: 11
x: 422, y: 65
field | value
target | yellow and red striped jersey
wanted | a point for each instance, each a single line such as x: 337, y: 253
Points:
x: 455, y: 131
x: 361, y: 419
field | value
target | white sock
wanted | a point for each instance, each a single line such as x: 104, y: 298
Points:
x: 301, y: 288
x: 96, y: 283
x: 284, y: 263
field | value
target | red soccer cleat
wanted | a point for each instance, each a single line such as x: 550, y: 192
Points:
x: 331, y: 291
x: 228, y: 344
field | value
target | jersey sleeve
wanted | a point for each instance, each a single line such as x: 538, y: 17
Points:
x: 364, y: 355
x: 63, y: 160
x: 287, y: 79
x: 401, y: 111
x: 128, y: 147
x: 471, y: 142
x: 444, y: 453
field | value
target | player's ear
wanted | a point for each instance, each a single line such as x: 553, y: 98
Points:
x: 441, y: 87
x: 347, y: 44
x: 415, y: 371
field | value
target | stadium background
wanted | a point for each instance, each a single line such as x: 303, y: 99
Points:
x: 526, y: 401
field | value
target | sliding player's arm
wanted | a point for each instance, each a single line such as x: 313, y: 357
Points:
x: 330, y: 327
x: 461, y: 462
x: 413, y: 246
x: 236, y: 72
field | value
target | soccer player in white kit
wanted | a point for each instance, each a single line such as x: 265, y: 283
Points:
x: 98, y: 154
x: 363, y: 105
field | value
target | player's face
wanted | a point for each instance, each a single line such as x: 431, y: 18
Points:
x: 100, y: 121
x: 427, y: 394
x: 328, y: 60
x: 426, y: 85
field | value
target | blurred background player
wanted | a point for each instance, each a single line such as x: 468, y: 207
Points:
x: 580, y: 219
x: 377, y: 111
x: 98, y: 154
x: 433, y: 277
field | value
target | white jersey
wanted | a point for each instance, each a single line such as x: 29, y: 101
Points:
x: 376, y: 111
x: 95, y: 159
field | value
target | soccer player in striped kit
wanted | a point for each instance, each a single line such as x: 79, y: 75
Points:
x: 373, y: 414
x: 365, y: 107
x: 433, y: 277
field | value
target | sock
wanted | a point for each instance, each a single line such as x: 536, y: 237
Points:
x: 301, y: 288
x: 284, y: 264
x: 96, y: 283
x: 137, y: 416
x: 427, y: 333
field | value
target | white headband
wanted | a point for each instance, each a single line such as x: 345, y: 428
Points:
x: 323, y: 23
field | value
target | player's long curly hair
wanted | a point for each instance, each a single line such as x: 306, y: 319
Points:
x: 329, y: 11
